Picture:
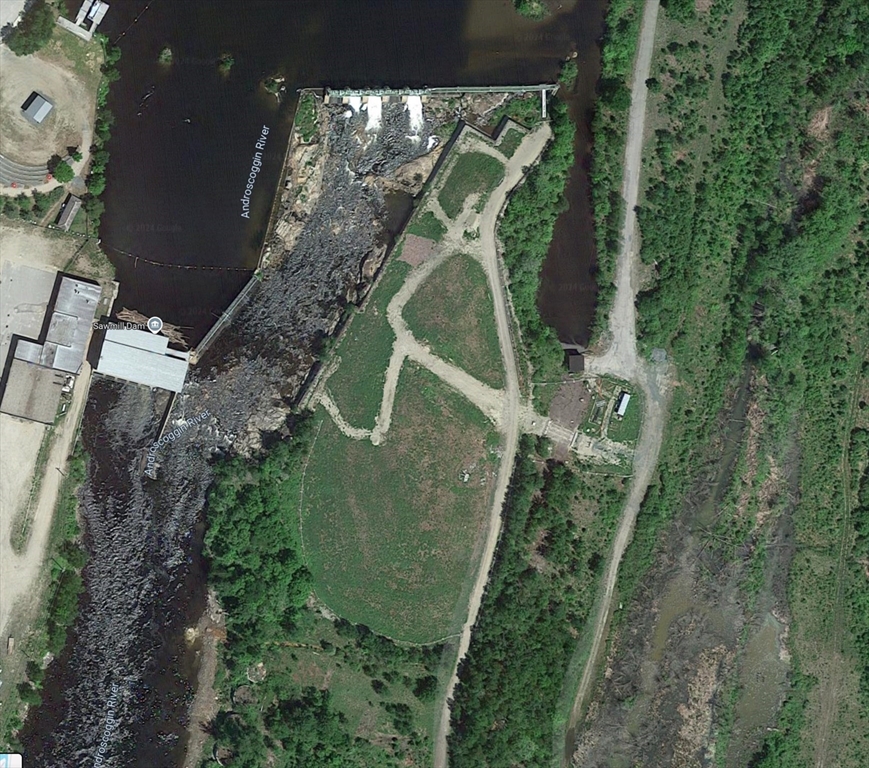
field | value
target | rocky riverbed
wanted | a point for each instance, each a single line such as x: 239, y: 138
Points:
x: 124, y: 685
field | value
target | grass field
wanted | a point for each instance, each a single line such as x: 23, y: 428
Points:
x: 510, y: 142
x: 364, y: 349
x: 471, y: 173
x: 390, y: 531
x: 453, y: 312
x: 427, y: 225
x: 361, y: 676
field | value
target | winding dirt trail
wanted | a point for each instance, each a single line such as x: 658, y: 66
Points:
x: 621, y: 359
x: 504, y: 408
x: 525, y: 155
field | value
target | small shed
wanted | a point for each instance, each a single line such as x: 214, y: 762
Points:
x: 36, y: 108
x: 622, y: 404
x: 575, y: 361
x: 68, y: 212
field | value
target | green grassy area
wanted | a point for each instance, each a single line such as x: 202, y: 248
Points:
x: 557, y: 527
x: 627, y: 429
x: 390, y: 530
x: 365, y: 349
x: 470, y: 173
x: 510, y: 141
x: 427, y: 224
x: 306, y: 116
x: 452, y: 311
x: 525, y: 110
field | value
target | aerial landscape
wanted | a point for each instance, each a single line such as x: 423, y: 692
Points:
x: 450, y: 384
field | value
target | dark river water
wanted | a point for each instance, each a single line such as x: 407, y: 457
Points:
x: 181, y: 149
x: 181, y: 154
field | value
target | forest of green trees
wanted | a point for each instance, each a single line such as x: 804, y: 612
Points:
x: 540, y: 592
x: 754, y: 225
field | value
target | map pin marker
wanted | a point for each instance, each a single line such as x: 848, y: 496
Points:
x: 155, y: 325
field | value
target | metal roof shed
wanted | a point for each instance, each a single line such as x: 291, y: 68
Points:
x: 36, y: 108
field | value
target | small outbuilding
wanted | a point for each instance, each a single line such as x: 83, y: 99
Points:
x: 68, y: 212
x: 36, y: 108
x: 575, y: 361
x: 622, y: 404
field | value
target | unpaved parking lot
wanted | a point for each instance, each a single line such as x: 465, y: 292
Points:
x: 54, y: 73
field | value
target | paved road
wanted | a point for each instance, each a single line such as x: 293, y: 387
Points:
x: 9, y: 10
x: 621, y: 359
x: 525, y: 155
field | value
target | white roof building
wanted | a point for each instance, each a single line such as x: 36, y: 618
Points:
x: 143, y: 358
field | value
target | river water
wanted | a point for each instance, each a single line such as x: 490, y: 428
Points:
x: 185, y: 134
x: 181, y: 156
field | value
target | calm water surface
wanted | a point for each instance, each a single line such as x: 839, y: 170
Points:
x: 184, y: 136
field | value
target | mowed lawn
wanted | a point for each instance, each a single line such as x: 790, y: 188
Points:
x: 390, y: 531
x: 365, y: 349
x: 452, y: 311
x: 472, y: 172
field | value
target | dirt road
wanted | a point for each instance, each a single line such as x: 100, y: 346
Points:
x: 18, y: 573
x: 527, y: 153
x: 621, y: 359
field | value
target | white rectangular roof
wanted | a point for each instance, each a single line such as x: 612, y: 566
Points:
x: 143, y: 358
x: 152, y: 342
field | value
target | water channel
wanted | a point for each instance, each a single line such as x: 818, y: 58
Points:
x: 181, y: 154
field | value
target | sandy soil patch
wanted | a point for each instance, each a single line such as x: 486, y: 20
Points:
x: 44, y: 249
x: 417, y: 249
x: 18, y: 573
x: 19, y: 446
x: 69, y: 122
x: 570, y: 404
x: 819, y: 126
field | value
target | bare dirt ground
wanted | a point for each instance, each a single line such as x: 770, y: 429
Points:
x: 18, y: 573
x: 70, y: 122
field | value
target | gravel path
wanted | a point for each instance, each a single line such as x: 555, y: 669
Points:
x: 525, y: 156
x: 621, y: 359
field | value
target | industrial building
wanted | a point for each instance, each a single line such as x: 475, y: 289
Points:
x: 144, y: 358
x: 40, y: 370
x: 622, y: 404
x: 36, y: 108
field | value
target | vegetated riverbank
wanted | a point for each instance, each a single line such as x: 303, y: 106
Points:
x: 129, y: 632
x: 746, y: 250
x: 609, y: 133
x: 540, y: 592
x: 47, y: 638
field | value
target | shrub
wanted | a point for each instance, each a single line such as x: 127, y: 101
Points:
x: 33, y: 31
x: 63, y: 172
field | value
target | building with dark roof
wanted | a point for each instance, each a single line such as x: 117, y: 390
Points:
x: 36, y: 108
x: 68, y: 212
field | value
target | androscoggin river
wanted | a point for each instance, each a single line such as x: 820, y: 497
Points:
x: 181, y: 152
